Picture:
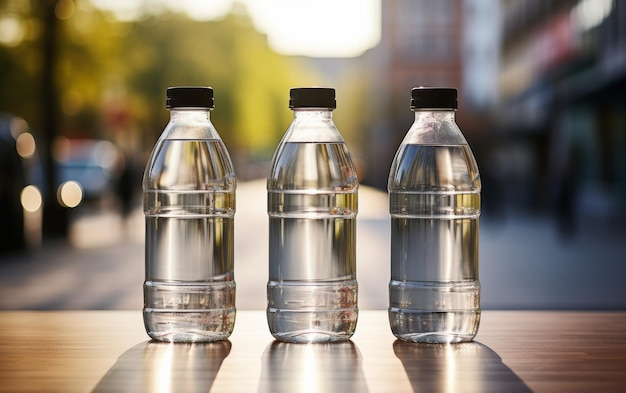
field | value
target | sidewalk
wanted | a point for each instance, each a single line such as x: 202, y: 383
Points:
x: 523, y: 263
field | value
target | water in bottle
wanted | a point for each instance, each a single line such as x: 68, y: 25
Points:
x: 189, y: 203
x: 434, y: 202
x: 312, y: 207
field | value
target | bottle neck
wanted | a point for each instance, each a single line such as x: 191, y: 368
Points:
x: 193, y: 115
x: 313, y: 113
x: 434, y: 127
x: 190, y: 123
x: 313, y: 125
x: 434, y: 115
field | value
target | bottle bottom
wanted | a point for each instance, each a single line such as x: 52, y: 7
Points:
x: 189, y: 326
x: 312, y: 312
x: 434, y: 327
x: 434, y: 312
x: 189, y: 312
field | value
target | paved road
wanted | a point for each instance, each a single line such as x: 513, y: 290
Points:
x: 524, y: 264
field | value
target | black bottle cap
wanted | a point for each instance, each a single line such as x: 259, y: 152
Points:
x: 189, y: 97
x: 433, y: 98
x: 312, y: 97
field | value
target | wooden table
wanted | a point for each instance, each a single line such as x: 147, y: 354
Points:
x: 515, y: 351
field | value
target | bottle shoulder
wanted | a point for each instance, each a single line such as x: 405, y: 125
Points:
x: 190, y: 128
x: 313, y: 166
x: 312, y: 129
x: 434, y: 168
x: 434, y: 128
x: 189, y: 164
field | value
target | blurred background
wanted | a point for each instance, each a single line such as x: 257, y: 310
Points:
x: 542, y: 104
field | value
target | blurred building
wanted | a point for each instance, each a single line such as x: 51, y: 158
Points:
x: 562, y: 112
x: 480, y: 54
x: 443, y: 43
x: 540, y: 96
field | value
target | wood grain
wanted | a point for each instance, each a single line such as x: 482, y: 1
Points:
x: 515, y: 351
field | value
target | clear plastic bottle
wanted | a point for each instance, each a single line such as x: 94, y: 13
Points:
x: 434, y: 202
x: 312, y: 206
x: 189, y: 203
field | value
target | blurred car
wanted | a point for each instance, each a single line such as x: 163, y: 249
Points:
x: 94, y: 165
x: 87, y: 170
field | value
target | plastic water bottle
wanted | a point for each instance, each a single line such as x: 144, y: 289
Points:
x: 434, y: 202
x: 312, y: 206
x: 189, y: 203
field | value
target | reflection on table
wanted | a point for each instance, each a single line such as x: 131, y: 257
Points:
x: 463, y: 367
x: 334, y: 367
x: 515, y: 351
x: 166, y: 367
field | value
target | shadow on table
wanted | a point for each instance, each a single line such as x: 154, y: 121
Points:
x: 464, y: 367
x: 333, y: 367
x: 164, y: 367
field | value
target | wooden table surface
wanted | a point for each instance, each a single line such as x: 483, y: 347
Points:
x: 515, y: 351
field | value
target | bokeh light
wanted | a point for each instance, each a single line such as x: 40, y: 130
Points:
x: 11, y: 31
x: 25, y: 145
x: 31, y: 198
x: 70, y: 194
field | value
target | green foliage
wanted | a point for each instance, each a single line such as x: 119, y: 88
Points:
x: 249, y: 79
x: 111, y: 76
x: 19, y: 61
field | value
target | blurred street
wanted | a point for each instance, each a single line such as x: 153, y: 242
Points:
x: 524, y: 262
x: 540, y: 98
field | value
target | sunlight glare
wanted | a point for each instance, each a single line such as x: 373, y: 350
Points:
x: 11, y: 31
x: 309, y: 377
x: 201, y: 10
x: 322, y: 28
x: 165, y: 371
x: 451, y: 372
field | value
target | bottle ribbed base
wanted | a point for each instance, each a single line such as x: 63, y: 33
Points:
x: 189, y: 326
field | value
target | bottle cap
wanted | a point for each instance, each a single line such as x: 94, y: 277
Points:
x: 312, y: 97
x: 189, y: 97
x: 433, y: 98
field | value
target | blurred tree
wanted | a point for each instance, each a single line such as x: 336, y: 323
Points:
x: 251, y: 81
x: 72, y: 69
x: 20, y: 58
x: 352, y: 114
x: 55, y: 220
